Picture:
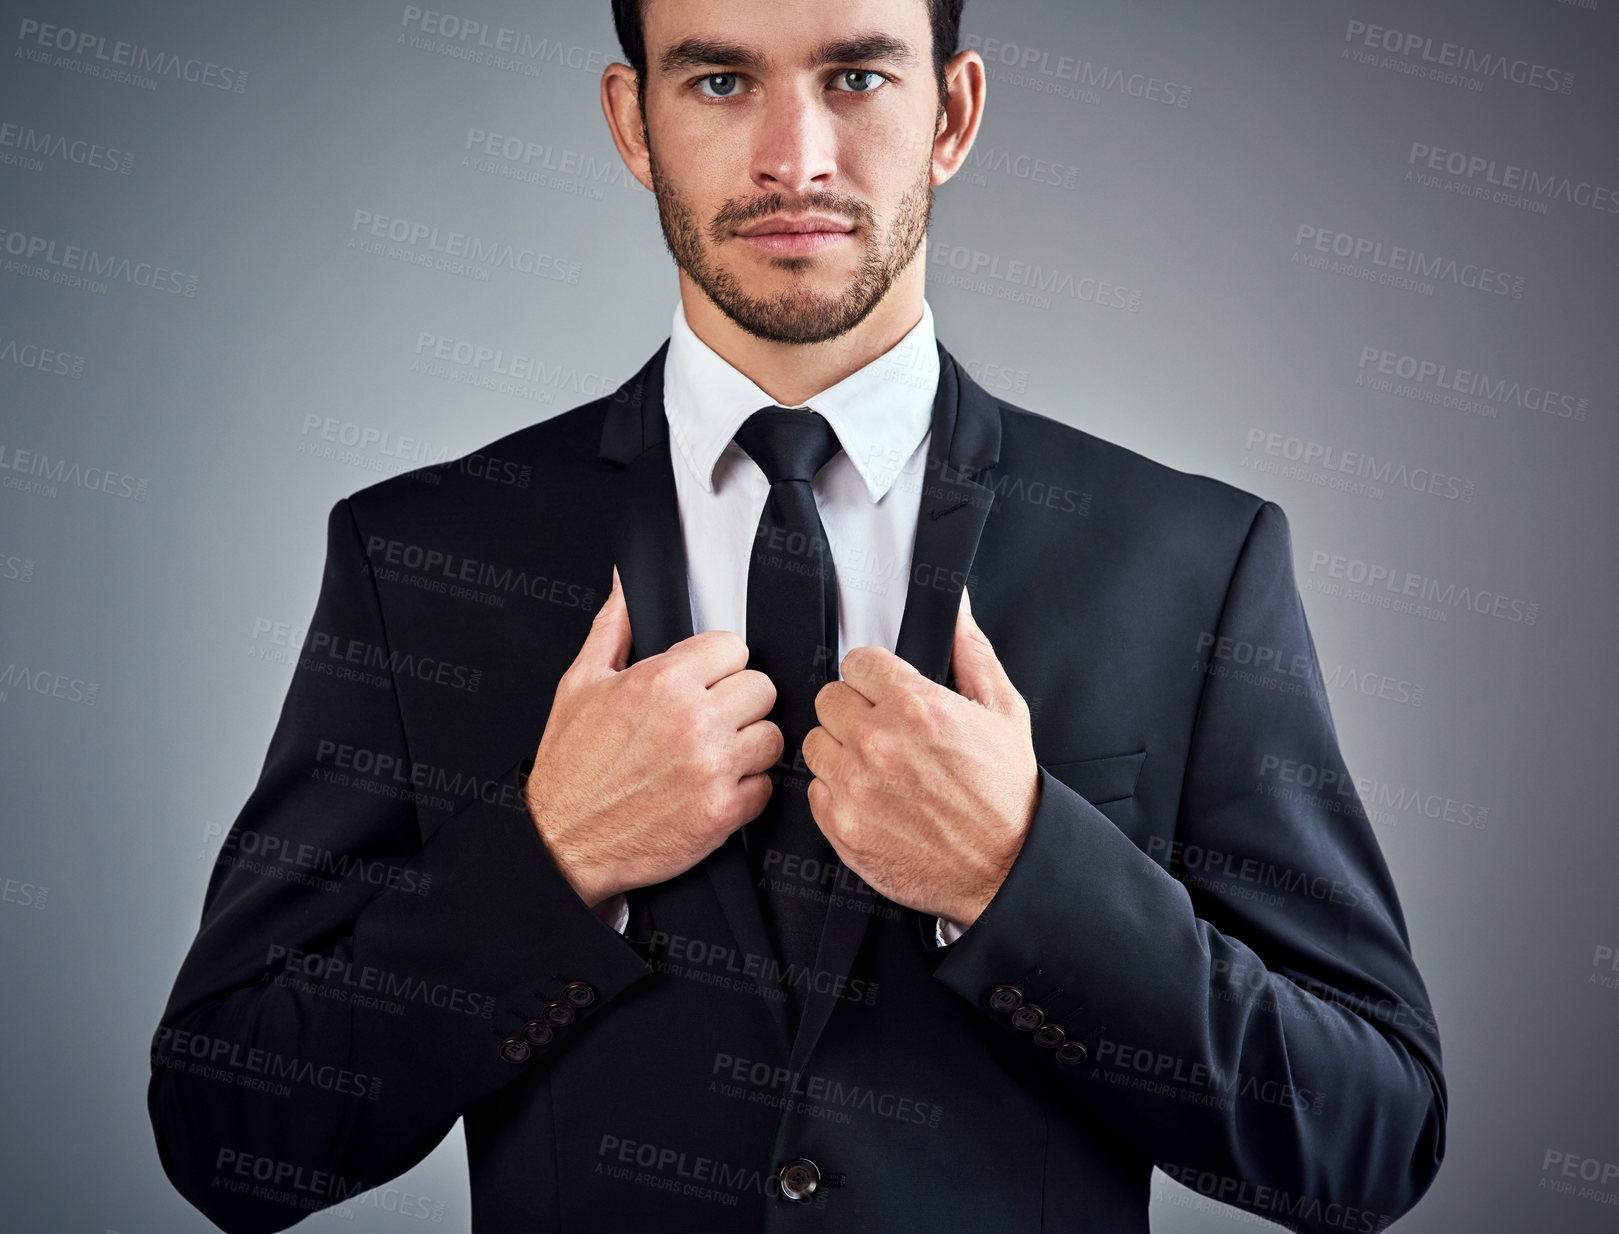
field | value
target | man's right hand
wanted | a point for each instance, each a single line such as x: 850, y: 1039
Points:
x: 645, y: 770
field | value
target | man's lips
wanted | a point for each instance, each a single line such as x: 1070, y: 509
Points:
x: 783, y: 235
x: 782, y: 225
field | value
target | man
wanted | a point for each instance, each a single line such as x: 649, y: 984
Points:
x: 940, y: 823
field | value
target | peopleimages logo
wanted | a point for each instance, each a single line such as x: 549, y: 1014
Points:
x: 42, y: 359
x: 488, y: 367
x: 1039, y: 69
x: 1386, y: 586
x: 527, y: 161
x: 1506, y: 183
x: 1408, y: 268
x: 1334, y: 463
x: 429, y: 244
x: 495, y: 47
x: 32, y: 147
x: 131, y: 63
x: 984, y: 160
x: 1026, y: 282
x: 47, y: 684
x: 1453, y: 63
x: 38, y: 472
x: 88, y: 269
x: 1449, y: 385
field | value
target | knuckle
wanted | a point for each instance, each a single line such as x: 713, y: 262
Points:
x: 847, y: 826
x: 873, y: 746
x: 825, y: 816
x: 706, y: 750
x: 704, y: 761
x: 714, y: 811
x: 663, y: 678
x: 913, y: 707
x: 727, y: 641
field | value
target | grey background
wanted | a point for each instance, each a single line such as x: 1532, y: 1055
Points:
x: 149, y: 612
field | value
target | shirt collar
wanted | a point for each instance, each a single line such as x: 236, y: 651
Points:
x: 880, y: 412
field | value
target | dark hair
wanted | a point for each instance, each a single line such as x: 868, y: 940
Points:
x: 945, y: 14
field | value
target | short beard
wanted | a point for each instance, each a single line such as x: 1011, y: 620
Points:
x: 795, y: 315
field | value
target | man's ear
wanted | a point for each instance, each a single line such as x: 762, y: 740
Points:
x: 621, y: 104
x: 965, y: 90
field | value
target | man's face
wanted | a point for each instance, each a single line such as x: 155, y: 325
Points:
x: 797, y: 112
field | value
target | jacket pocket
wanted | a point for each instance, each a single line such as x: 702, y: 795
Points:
x: 1109, y: 778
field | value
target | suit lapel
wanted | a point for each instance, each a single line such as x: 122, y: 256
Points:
x: 651, y: 559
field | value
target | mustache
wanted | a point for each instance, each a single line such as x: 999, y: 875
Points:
x: 738, y: 212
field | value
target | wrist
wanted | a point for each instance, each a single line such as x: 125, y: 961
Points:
x: 593, y: 892
x: 572, y: 870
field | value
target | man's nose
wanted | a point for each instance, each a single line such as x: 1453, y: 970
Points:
x: 795, y: 148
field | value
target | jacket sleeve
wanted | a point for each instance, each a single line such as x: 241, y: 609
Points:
x: 351, y: 989
x: 1250, y: 1019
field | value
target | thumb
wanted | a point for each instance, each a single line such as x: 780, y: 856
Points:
x: 607, y: 646
x: 977, y: 669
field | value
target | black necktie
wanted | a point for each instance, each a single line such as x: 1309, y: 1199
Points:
x: 792, y: 636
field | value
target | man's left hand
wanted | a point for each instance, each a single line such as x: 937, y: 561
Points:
x: 925, y: 792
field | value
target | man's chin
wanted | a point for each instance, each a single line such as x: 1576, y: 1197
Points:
x: 786, y: 307
x: 798, y: 333
x: 798, y: 322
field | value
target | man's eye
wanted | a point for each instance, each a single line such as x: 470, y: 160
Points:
x: 724, y: 84
x: 859, y: 81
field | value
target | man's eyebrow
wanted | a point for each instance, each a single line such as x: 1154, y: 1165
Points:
x: 697, y: 51
x: 869, y: 45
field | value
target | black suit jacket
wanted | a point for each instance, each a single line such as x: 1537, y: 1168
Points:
x: 1197, y: 961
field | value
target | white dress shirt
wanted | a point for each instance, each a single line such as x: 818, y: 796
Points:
x: 868, y: 496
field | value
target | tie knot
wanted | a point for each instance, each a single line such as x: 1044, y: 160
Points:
x: 788, y: 443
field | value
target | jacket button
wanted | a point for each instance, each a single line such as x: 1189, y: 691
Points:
x: 1049, y: 1036
x: 1005, y: 998
x: 558, y: 1013
x: 578, y: 994
x: 798, y: 1179
x: 538, y: 1032
x: 1028, y: 1017
x: 1070, y: 1052
x: 514, y: 1050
